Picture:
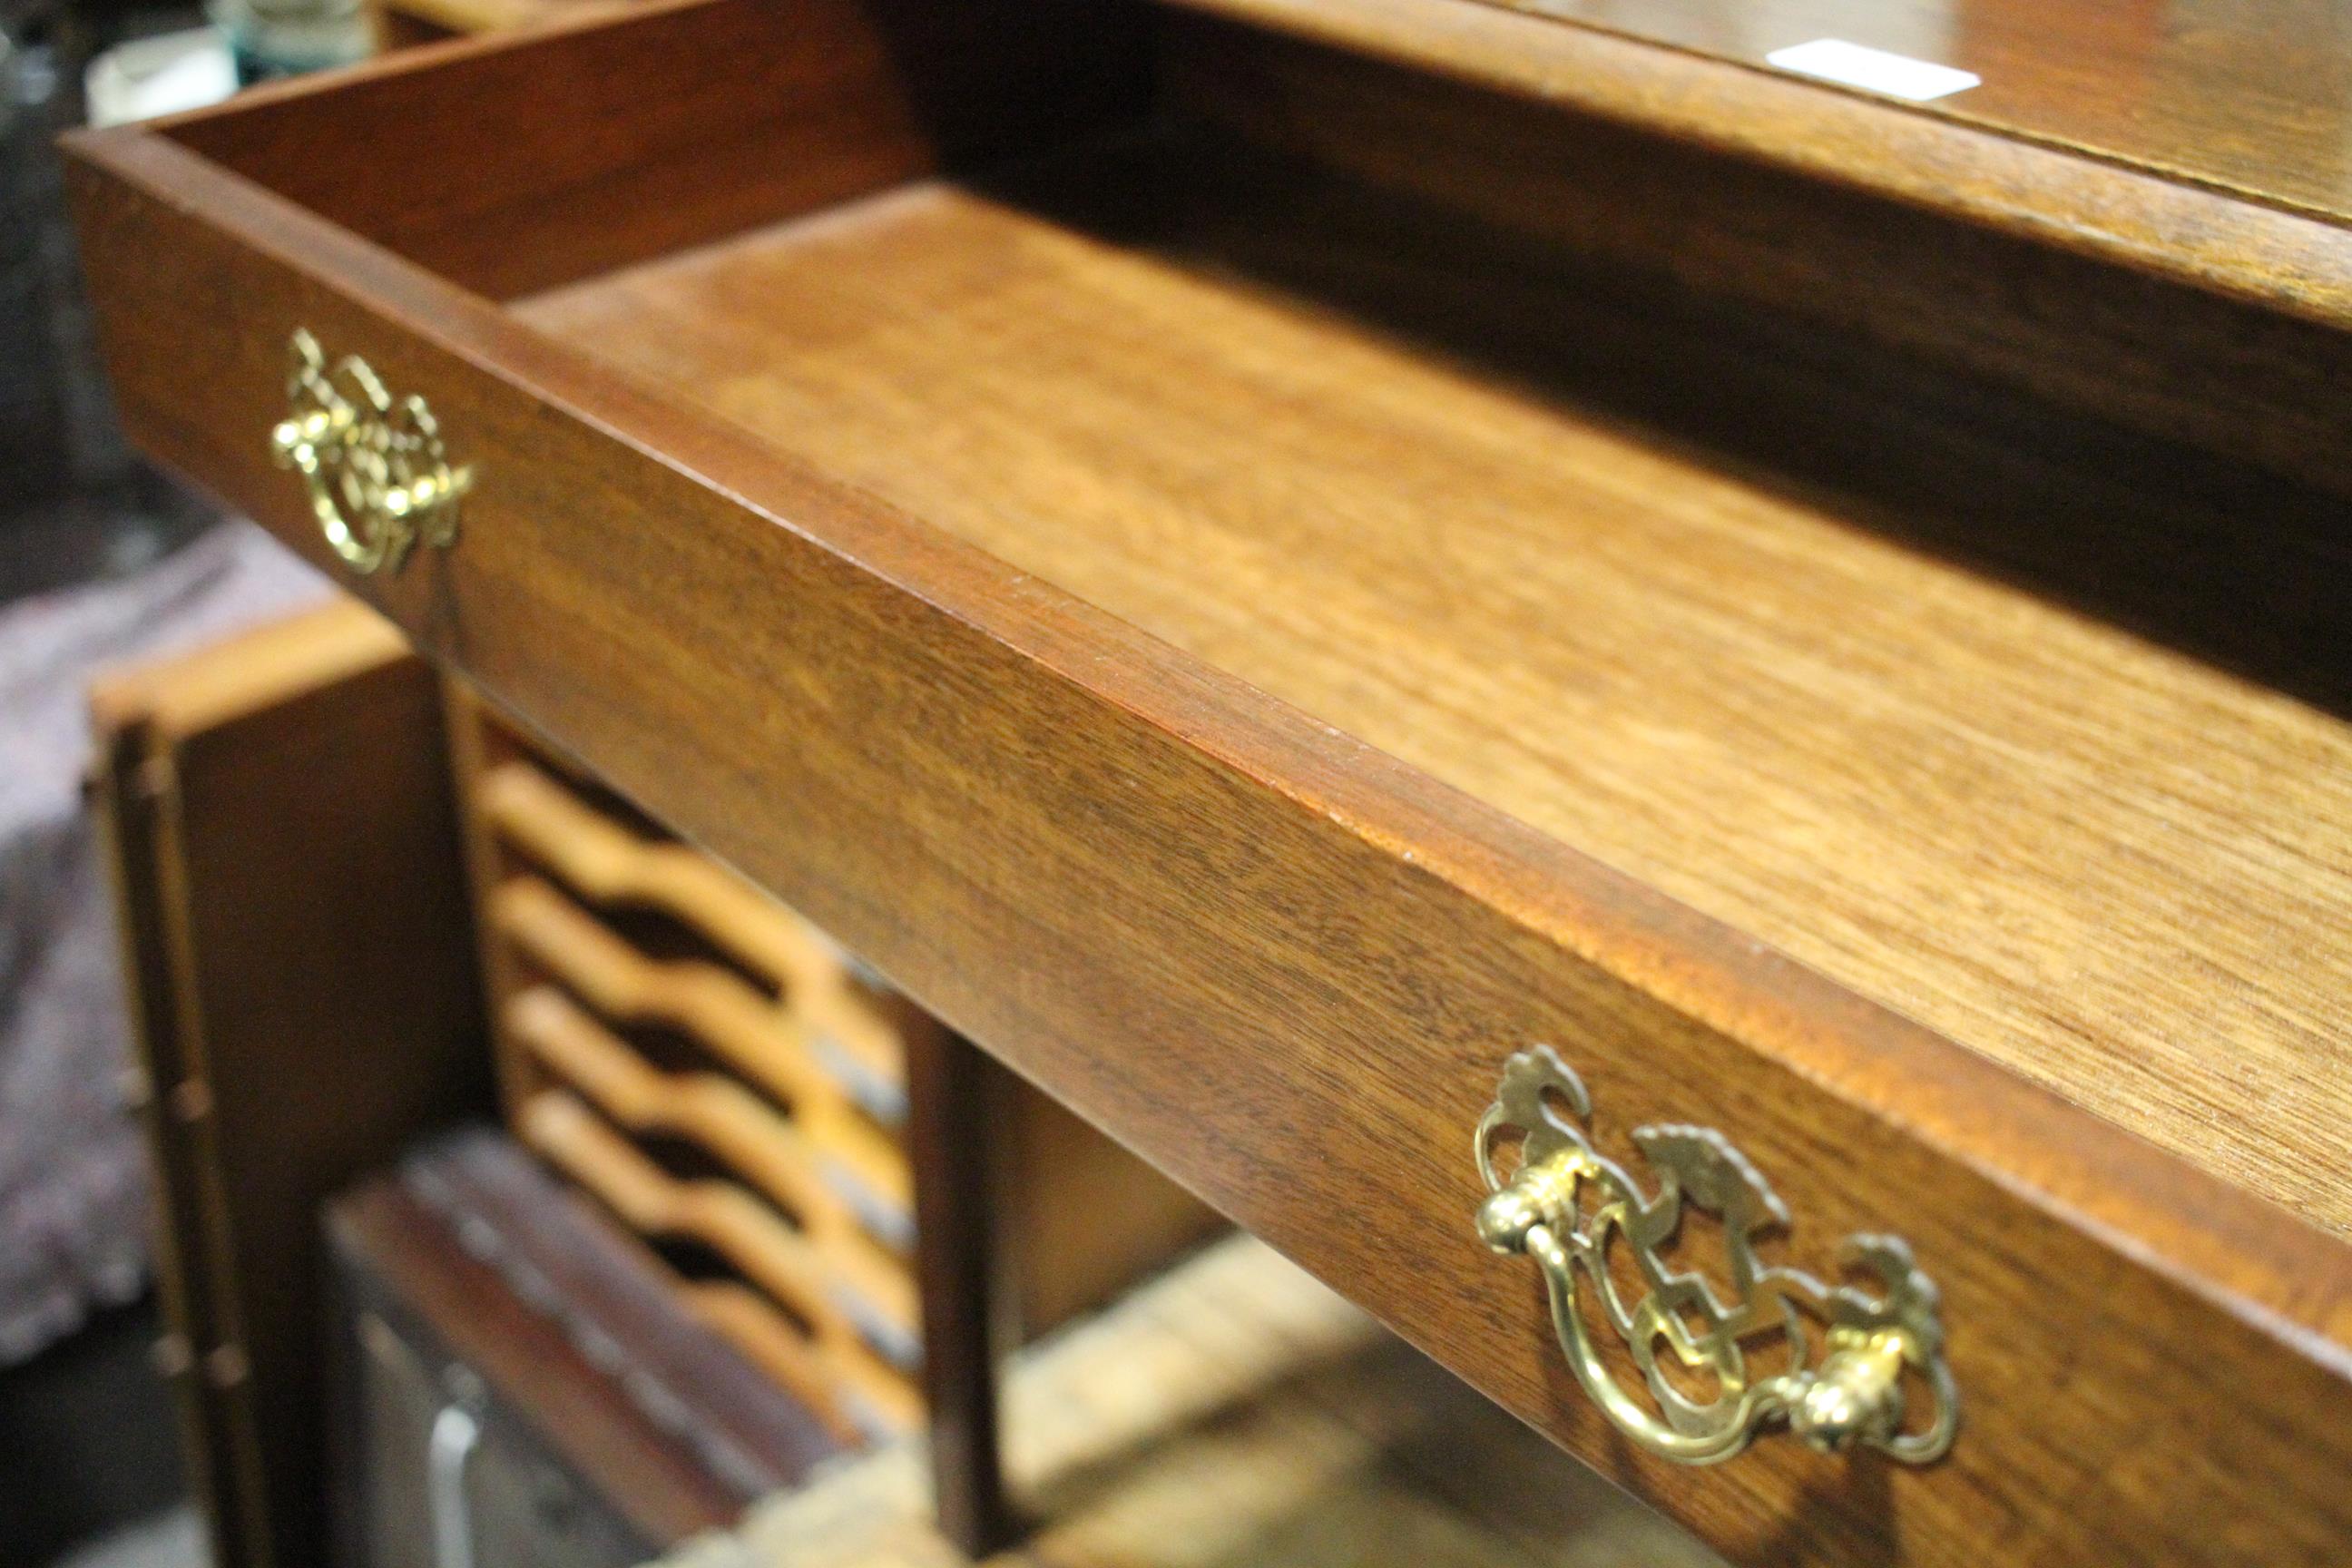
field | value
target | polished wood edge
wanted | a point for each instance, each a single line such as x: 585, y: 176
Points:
x: 226, y: 680
x: 425, y: 57
x: 2273, y: 1271
x: 1949, y: 110
x: 2229, y: 243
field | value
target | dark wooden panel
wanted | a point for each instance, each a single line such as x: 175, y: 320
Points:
x: 617, y: 140
x: 214, y: 1429
x: 1083, y: 1219
x: 2252, y: 98
x: 2189, y: 314
x: 953, y: 1138
x: 323, y: 1007
x: 2089, y: 207
x: 1279, y: 964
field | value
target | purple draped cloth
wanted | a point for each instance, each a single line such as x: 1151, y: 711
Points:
x: 73, y: 1176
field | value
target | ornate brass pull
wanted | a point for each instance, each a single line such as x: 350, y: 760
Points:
x: 1569, y: 1208
x: 378, y: 479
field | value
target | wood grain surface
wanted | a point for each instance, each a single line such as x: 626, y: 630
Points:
x: 1281, y: 963
x: 2251, y: 98
x: 2080, y: 855
x: 1073, y: 1218
x: 639, y: 143
x: 2052, y: 194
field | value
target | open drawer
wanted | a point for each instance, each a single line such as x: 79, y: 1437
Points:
x: 1256, y: 637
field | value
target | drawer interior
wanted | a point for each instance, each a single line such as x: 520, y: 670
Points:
x: 1996, y: 705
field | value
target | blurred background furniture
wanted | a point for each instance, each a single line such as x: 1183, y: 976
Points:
x: 517, y: 1383
x: 1232, y: 1411
x: 308, y: 832
x: 75, y: 502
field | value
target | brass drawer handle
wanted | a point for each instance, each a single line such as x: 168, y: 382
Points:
x: 1708, y: 1409
x: 379, y: 480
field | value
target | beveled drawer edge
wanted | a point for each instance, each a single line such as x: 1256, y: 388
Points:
x: 1847, y: 1061
x: 2174, y: 226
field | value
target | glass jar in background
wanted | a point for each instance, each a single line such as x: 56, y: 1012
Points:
x: 285, y: 37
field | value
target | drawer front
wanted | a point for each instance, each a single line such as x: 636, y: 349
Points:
x: 1284, y: 968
